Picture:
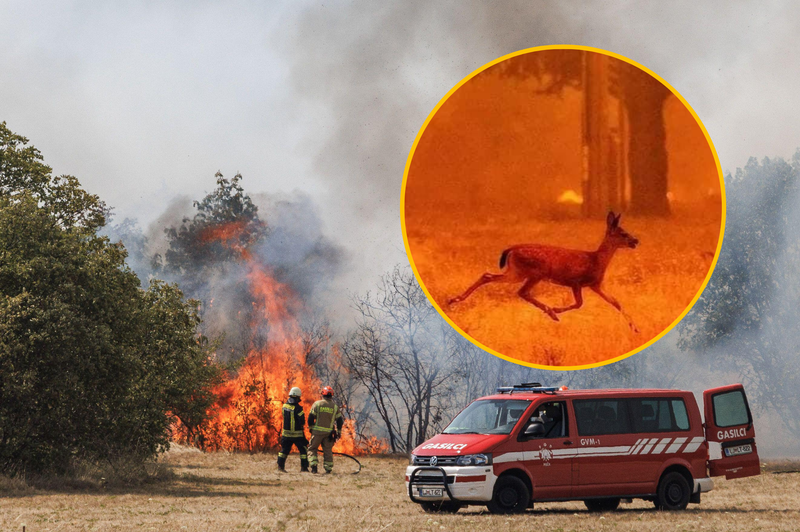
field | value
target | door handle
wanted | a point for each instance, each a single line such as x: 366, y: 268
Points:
x: 568, y: 442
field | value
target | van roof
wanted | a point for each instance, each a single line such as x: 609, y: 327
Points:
x: 631, y: 392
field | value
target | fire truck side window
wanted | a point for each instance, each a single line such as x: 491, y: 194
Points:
x: 606, y: 416
x: 681, y: 417
x: 554, y: 418
x: 658, y: 415
x: 509, y: 416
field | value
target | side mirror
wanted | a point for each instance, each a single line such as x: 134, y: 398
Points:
x: 536, y: 428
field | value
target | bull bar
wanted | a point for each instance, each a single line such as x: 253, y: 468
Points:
x: 413, y: 477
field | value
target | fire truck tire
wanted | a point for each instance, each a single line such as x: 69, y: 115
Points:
x: 673, y: 492
x: 601, y: 505
x: 445, y: 507
x: 511, y: 496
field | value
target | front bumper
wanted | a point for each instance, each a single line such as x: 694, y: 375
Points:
x: 467, y: 483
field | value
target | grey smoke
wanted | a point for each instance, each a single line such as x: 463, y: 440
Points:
x: 297, y: 249
x: 144, y: 101
x: 296, y: 253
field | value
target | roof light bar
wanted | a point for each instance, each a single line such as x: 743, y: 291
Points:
x: 527, y: 388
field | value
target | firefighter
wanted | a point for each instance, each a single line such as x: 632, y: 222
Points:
x: 325, y: 421
x: 293, y: 434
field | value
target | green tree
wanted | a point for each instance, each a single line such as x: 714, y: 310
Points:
x: 178, y: 371
x: 92, y: 367
x: 22, y: 171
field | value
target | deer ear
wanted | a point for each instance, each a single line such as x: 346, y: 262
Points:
x: 616, y: 221
x: 611, y: 219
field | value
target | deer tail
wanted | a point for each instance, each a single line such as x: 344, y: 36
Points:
x: 504, y: 258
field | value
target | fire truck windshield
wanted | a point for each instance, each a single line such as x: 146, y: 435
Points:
x: 488, y: 416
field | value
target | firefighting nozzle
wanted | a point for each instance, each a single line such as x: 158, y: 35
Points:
x: 295, y: 392
x: 334, y: 436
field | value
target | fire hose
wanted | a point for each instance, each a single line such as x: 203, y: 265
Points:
x: 353, y: 458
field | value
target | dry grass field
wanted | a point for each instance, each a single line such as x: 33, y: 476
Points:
x: 654, y: 283
x: 221, y: 491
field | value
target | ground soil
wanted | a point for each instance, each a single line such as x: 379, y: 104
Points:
x: 221, y: 491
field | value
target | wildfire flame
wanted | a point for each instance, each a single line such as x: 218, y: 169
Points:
x: 248, y: 413
x: 570, y: 196
x: 230, y: 235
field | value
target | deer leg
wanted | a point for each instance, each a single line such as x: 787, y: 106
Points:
x: 486, y: 278
x: 614, y: 303
x: 524, y: 293
x: 576, y: 291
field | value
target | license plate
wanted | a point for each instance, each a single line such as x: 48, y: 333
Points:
x: 738, y: 450
x: 431, y: 492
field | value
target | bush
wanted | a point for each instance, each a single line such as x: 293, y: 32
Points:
x: 92, y: 367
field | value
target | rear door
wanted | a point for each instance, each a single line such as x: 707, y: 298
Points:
x: 729, y: 422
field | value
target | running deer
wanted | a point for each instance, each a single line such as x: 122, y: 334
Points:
x: 575, y: 269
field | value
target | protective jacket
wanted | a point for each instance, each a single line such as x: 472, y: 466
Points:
x: 293, y: 419
x: 324, y: 416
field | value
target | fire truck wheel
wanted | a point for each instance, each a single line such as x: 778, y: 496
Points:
x: 446, y: 507
x: 601, y: 505
x: 673, y: 492
x: 511, y: 496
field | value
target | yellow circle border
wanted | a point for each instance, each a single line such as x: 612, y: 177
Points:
x: 539, y: 49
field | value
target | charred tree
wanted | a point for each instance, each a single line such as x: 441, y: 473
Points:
x: 644, y: 97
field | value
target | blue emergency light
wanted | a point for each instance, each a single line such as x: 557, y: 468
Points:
x: 531, y: 387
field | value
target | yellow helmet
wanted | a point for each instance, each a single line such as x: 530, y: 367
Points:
x: 294, y: 392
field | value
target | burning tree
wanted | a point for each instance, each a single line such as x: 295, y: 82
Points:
x: 218, y: 256
x: 206, y: 256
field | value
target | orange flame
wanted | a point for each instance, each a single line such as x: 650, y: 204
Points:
x: 248, y: 413
x: 229, y: 235
x: 570, y: 196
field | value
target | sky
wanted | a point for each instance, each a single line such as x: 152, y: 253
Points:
x: 145, y: 101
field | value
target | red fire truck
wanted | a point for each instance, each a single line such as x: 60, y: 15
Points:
x: 529, y: 443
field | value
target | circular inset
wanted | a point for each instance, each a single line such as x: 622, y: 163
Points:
x: 563, y: 207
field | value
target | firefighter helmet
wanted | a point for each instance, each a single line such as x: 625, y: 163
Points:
x: 294, y: 392
x: 327, y: 391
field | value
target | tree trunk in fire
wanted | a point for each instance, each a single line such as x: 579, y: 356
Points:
x: 647, y: 154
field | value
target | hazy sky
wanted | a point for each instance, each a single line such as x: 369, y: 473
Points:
x: 145, y: 101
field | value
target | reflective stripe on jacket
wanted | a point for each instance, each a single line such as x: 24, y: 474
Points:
x: 293, y: 421
x: 325, y: 414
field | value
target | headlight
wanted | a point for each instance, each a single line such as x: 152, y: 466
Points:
x: 474, y: 459
x: 412, y: 459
